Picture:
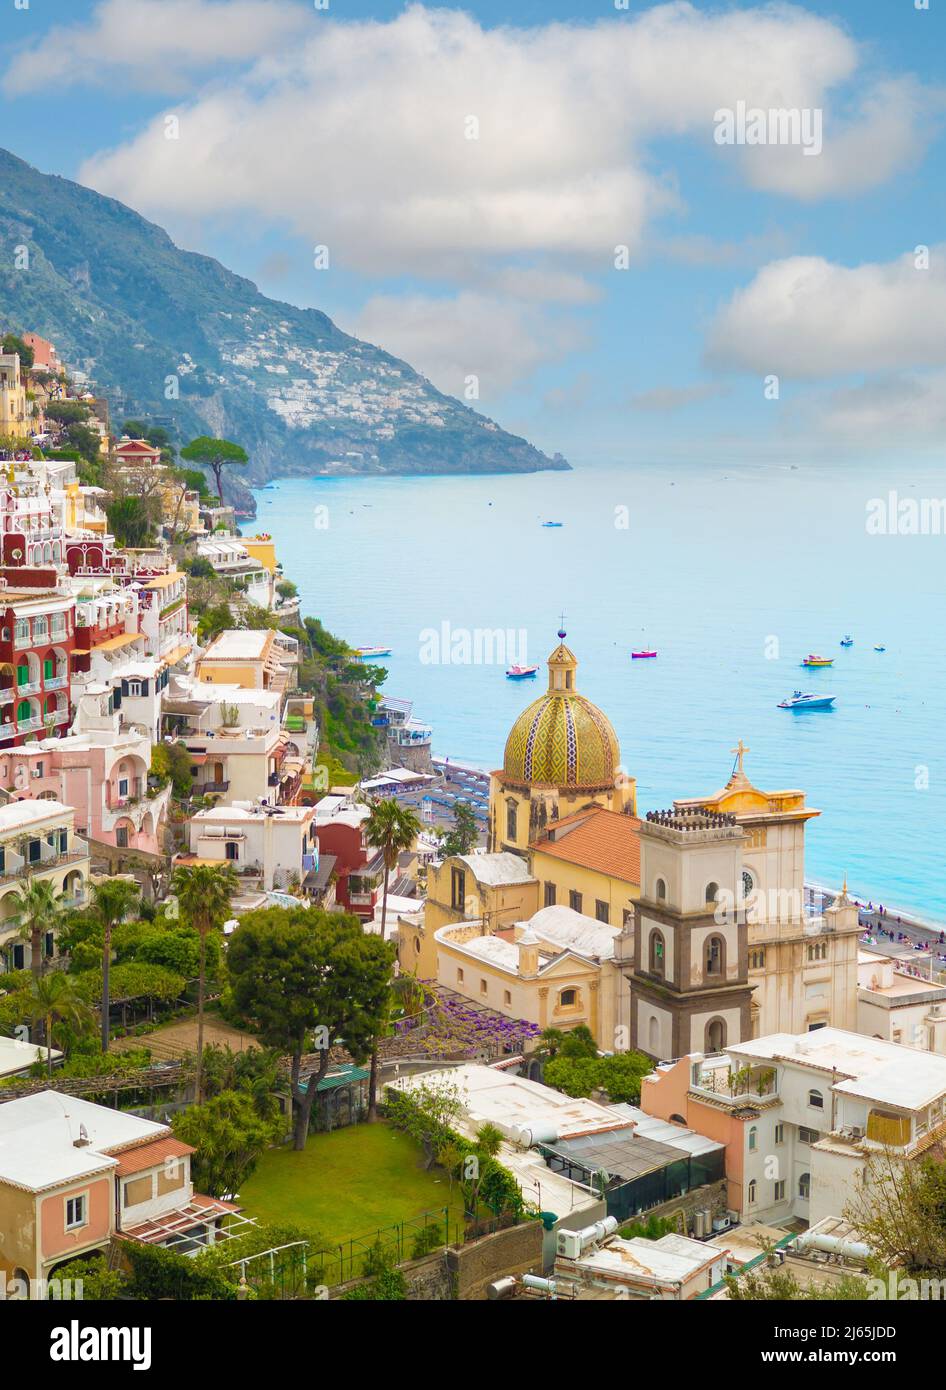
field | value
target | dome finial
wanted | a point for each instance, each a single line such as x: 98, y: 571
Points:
x: 562, y: 634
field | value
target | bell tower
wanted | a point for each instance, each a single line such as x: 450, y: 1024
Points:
x: 685, y: 958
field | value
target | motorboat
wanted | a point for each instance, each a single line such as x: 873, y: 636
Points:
x: 813, y: 660
x: 642, y: 656
x: 803, y: 701
x: 372, y: 651
x: 847, y: 641
x: 521, y: 673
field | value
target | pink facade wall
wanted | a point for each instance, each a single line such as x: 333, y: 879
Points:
x: 55, y: 1239
x: 665, y: 1095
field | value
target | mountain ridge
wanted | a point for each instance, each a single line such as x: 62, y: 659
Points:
x: 144, y: 318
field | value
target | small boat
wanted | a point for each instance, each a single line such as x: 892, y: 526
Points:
x: 372, y: 651
x: 800, y: 701
x: 847, y: 641
x: 521, y: 673
x: 812, y: 660
x: 880, y: 648
x: 641, y: 656
x: 548, y: 524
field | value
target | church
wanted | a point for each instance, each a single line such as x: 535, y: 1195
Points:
x: 714, y: 945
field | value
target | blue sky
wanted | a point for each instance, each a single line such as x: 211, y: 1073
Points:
x: 493, y: 257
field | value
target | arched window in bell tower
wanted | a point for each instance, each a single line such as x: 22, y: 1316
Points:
x: 715, y: 1035
x: 660, y: 891
x: 657, y: 953
x: 714, y: 960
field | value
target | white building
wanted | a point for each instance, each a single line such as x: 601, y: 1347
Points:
x: 276, y: 844
x: 896, y: 1003
x: 827, y: 1101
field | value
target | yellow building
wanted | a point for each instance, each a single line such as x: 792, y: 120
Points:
x: 591, y: 861
x: 555, y: 970
x: 262, y: 549
x: 803, y: 969
x: 496, y: 889
x: 14, y: 410
x: 241, y: 656
x: 561, y: 756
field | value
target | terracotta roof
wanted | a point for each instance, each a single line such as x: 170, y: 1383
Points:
x: 603, y: 840
x: 150, y: 1155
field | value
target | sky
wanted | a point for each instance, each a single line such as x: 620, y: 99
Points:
x: 540, y: 206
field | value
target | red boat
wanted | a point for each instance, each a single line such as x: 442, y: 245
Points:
x: 639, y: 656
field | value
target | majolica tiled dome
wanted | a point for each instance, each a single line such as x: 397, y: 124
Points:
x: 562, y: 739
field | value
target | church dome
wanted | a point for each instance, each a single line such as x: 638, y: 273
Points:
x: 562, y: 739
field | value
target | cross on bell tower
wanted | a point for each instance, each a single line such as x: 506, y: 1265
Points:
x: 740, y: 752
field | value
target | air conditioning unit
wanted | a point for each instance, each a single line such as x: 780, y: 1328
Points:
x: 857, y: 1131
x: 568, y: 1244
x: 36, y: 772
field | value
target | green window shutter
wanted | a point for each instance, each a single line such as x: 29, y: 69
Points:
x: 47, y: 668
x: 22, y: 675
x: 23, y: 711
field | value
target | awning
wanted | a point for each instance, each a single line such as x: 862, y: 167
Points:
x: 176, y: 655
x: 113, y: 644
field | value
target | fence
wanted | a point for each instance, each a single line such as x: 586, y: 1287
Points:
x: 357, y: 1257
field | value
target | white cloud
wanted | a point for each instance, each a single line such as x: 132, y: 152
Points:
x: 807, y: 318
x: 452, y: 339
x: 887, y: 411
x: 354, y: 134
x: 154, y: 43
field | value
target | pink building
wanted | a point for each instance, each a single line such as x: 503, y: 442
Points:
x: 99, y: 769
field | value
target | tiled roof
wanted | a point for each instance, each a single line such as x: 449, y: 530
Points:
x: 150, y: 1155
x: 603, y: 840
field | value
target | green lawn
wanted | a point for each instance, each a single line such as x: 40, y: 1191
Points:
x: 347, y: 1183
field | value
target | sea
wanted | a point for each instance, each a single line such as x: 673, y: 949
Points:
x: 731, y: 573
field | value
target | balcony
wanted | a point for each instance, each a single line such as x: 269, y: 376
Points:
x: 745, y: 1084
x: 215, y: 787
x: 57, y: 682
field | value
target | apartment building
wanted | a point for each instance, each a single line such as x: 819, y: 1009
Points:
x: 279, y: 845
x: 74, y: 1174
x: 14, y: 411
x: 37, y: 637
x: 38, y: 840
x: 804, y: 1118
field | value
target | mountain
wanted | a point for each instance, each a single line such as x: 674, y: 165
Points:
x: 124, y: 304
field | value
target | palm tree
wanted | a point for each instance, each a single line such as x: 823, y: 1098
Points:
x: 111, y: 902
x: 391, y: 828
x: 38, y: 905
x: 53, y: 999
x: 203, y: 893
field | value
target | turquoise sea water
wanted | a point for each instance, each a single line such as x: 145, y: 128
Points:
x: 733, y: 574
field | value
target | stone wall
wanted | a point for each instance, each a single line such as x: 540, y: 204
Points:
x: 713, y: 1195
x: 517, y: 1250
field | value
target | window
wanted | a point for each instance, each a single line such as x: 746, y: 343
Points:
x: 807, y: 1136
x: 550, y: 895
x: 457, y: 889
x: 507, y: 997
x: 602, y: 912
x: 780, y: 1191
x: 232, y: 849
x: 35, y: 851
x: 64, y: 842
x: 121, y: 837
x: 123, y: 786
x: 715, y: 1035
x: 417, y: 945
x: 656, y: 953
x: 484, y: 987
x: 134, y: 687
x: 780, y: 1134
x: 568, y: 998
x: 748, y: 883
x: 753, y: 1139
x: 818, y: 950
x: 816, y: 1100
x: 660, y: 891
x: 76, y: 1212
x: 574, y: 901
x: 714, y: 955
x: 757, y: 959
x: 751, y: 1193
x: 459, y: 977
x: 804, y: 1186
x: 712, y: 892
x: 510, y: 820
